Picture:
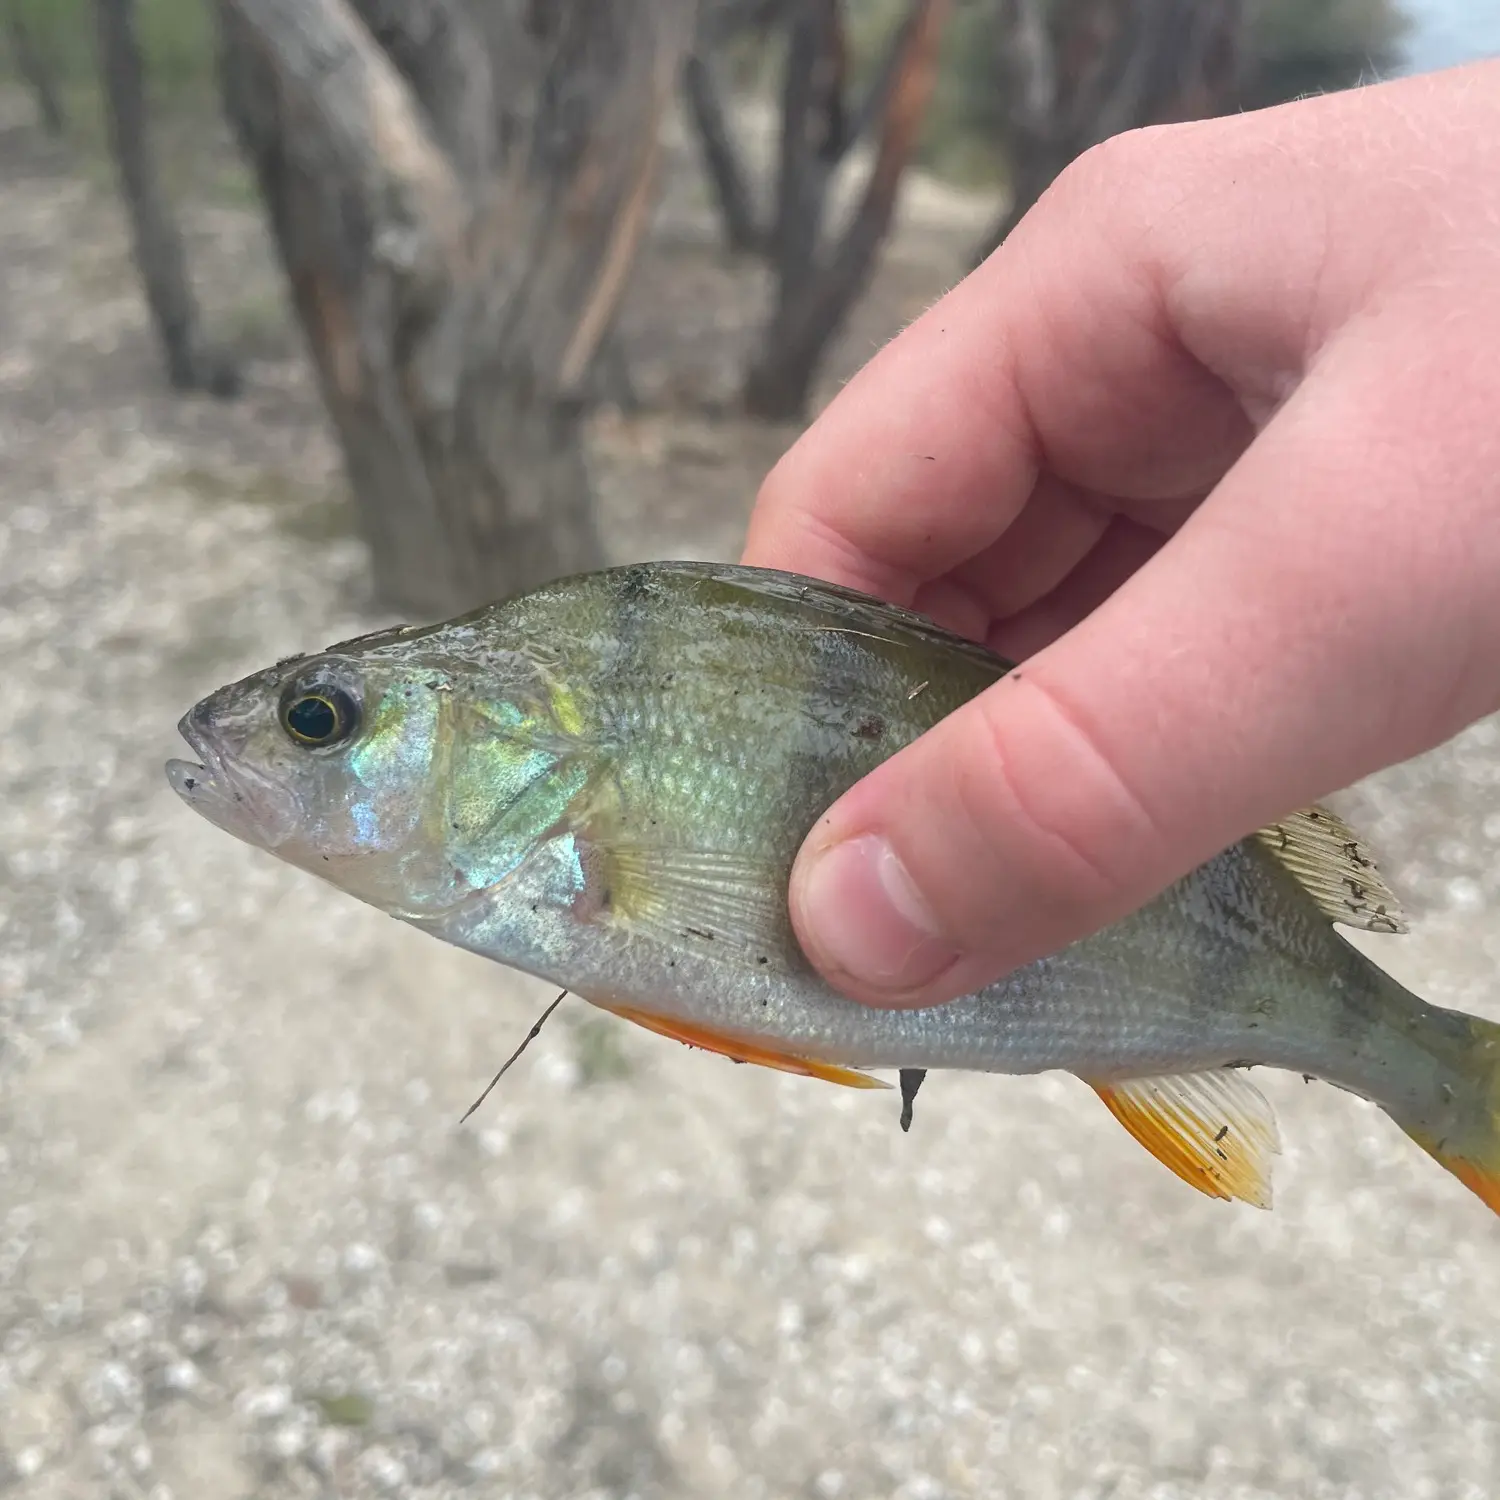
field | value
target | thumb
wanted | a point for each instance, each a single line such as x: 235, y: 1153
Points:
x: 1301, y: 630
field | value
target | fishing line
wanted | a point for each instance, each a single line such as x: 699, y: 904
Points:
x: 526, y: 1041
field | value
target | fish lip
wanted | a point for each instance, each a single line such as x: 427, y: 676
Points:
x: 185, y: 777
x: 195, y: 779
x: 196, y: 736
x: 231, y: 794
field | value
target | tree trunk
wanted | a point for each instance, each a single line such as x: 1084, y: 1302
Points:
x: 457, y: 189
x: 37, y: 67
x: 721, y: 159
x: 814, y: 291
x: 1079, y: 71
x: 155, y: 241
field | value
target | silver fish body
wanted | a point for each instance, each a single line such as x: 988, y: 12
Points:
x: 604, y: 783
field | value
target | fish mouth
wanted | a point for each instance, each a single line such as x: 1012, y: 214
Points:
x: 230, y: 794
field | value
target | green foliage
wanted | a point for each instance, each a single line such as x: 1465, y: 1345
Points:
x: 177, y: 41
x: 178, y: 51
x: 55, y: 26
x: 345, y: 1409
x: 176, y: 38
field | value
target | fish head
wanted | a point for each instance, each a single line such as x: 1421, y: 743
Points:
x: 322, y: 761
x: 381, y: 767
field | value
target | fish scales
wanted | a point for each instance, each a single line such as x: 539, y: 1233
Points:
x: 679, y: 740
x: 604, y: 782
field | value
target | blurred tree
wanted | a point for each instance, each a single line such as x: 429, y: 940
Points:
x: 155, y: 240
x: 720, y: 23
x: 818, y: 277
x: 457, y: 189
x: 1306, y: 46
x: 1074, y: 72
x: 829, y: 105
x: 30, y: 38
x: 1050, y: 78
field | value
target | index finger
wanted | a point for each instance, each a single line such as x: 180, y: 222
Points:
x: 1057, y: 354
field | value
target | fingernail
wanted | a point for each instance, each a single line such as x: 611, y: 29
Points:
x: 863, y: 915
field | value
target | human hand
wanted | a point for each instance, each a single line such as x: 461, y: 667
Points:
x: 1212, y: 444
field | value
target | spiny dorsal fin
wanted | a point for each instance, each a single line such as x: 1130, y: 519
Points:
x: 1328, y: 861
x: 1215, y: 1130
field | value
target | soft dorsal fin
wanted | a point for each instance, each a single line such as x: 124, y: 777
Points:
x: 1215, y: 1129
x: 1329, y: 862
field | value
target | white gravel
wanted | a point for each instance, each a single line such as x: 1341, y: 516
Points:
x: 246, y: 1250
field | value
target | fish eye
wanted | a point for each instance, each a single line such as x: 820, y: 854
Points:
x: 318, y: 716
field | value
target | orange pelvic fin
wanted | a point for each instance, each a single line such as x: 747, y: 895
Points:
x: 1215, y: 1130
x: 738, y: 1049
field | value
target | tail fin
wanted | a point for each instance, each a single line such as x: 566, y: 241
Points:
x: 1461, y: 1130
x: 1450, y: 1104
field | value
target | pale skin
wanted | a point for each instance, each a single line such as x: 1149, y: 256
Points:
x: 1211, y: 446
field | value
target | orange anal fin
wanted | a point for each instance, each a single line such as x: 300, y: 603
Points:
x: 738, y: 1049
x: 1215, y: 1129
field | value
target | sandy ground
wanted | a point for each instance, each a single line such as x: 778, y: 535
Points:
x: 247, y: 1251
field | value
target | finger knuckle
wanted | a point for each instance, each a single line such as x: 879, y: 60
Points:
x: 1065, y: 793
x: 1116, y: 167
x: 1121, y: 184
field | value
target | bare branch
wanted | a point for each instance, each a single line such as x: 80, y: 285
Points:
x: 442, y: 54
x: 872, y: 108
x: 559, y: 231
x: 722, y: 160
x: 1027, y: 62
x: 361, y: 118
x: 1119, y: 94
x: 37, y: 66
x: 1200, y: 71
x: 913, y: 79
x: 156, y: 243
x: 809, y: 140
x: 814, y: 298
x: 624, y: 239
x: 1094, y: 68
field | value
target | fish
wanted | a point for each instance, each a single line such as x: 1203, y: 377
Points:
x: 603, y: 782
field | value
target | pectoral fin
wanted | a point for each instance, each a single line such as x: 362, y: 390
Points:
x: 1215, y: 1130
x: 738, y: 1049
x: 707, y: 900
